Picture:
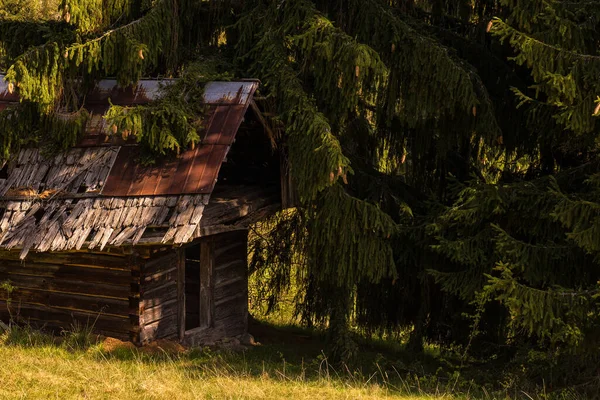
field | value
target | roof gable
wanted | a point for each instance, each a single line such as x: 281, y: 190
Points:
x: 96, y: 194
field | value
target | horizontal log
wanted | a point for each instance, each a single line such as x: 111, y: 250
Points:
x: 235, y: 287
x: 68, y: 272
x: 235, y: 307
x: 159, y: 295
x: 69, y: 302
x: 62, y: 319
x: 111, y: 261
x: 228, y: 291
x: 163, y: 310
x: 157, y: 281
x: 230, y: 271
x: 158, y: 276
x: 159, y: 329
x: 231, y: 327
x: 67, y: 285
x: 159, y: 263
x: 234, y: 255
x: 228, y: 246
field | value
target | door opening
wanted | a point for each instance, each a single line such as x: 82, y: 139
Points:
x: 192, y: 287
x: 198, y: 286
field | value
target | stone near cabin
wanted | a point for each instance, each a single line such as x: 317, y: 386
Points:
x: 248, y: 340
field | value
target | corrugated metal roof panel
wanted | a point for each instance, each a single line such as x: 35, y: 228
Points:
x: 222, y: 124
x: 193, y: 171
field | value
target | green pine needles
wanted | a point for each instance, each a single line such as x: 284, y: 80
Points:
x: 445, y: 153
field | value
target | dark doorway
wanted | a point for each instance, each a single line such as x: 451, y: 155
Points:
x: 198, y: 286
x: 192, y: 287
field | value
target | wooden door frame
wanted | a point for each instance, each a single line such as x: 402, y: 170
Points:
x: 206, y: 295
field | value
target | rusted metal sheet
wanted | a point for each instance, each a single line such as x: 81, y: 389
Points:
x: 222, y: 124
x: 193, y: 171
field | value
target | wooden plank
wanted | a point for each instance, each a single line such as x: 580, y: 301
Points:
x: 134, y: 261
x: 163, y: 310
x: 64, y: 319
x: 112, y: 261
x: 235, y: 286
x: 231, y: 270
x: 161, y: 262
x: 162, y: 328
x: 180, y: 294
x: 234, y: 308
x: 233, y: 255
x: 67, y: 285
x: 68, y: 272
x: 159, y: 295
x: 158, y: 276
x: 206, y: 284
x: 150, y: 283
x: 233, y: 326
x: 69, y: 301
x: 228, y: 244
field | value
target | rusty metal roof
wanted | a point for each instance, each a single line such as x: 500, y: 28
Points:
x: 97, y: 194
x: 194, y: 171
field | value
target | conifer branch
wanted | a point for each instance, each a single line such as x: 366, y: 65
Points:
x: 505, y: 31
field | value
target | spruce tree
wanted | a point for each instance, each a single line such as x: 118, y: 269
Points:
x: 444, y: 151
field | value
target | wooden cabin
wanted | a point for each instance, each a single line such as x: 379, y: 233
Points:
x: 91, y: 237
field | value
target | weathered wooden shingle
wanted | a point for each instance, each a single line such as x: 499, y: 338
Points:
x: 67, y: 224
x: 77, y: 171
x: 97, y: 195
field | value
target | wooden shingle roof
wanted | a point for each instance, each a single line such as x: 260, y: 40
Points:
x: 96, y: 195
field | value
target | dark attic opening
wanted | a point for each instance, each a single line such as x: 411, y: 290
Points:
x: 252, y: 164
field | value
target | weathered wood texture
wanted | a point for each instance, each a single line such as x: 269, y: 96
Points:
x: 237, y: 207
x: 74, y: 171
x: 206, y: 290
x: 66, y: 224
x: 137, y: 297
x: 229, y: 289
x: 59, y: 290
x: 159, y: 300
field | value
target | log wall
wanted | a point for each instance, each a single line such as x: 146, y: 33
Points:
x: 130, y: 296
x: 159, y: 302
x: 57, y: 290
x: 231, y: 282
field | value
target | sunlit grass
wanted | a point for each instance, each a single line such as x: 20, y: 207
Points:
x: 37, y: 366
x: 291, y: 366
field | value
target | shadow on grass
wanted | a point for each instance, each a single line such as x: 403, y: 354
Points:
x: 287, y: 353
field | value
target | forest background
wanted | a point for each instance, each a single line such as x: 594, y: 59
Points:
x: 444, y: 153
